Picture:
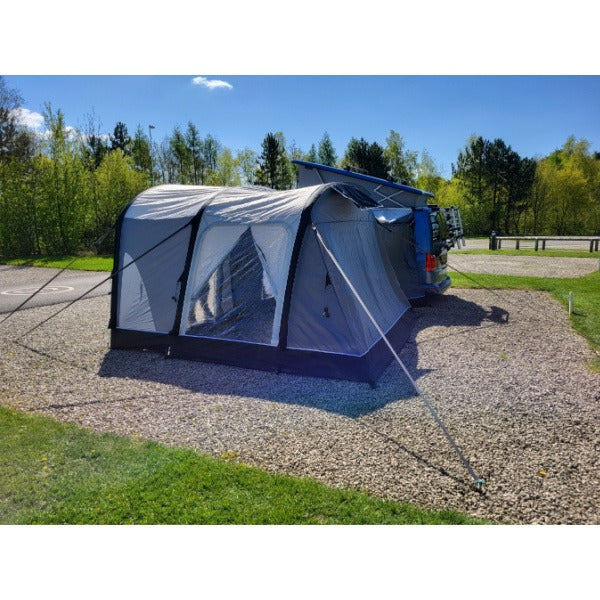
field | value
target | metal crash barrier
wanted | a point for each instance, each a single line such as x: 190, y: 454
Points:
x: 496, y: 240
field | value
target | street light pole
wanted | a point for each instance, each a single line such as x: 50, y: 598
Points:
x: 150, y: 128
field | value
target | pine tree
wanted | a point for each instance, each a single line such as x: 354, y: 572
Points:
x: 181, y: 155
x: 211, y: 151
x: 140, y: 151
x: 286, y: 175
x: 312, y: 154
x: 120, y: 139
x: 268, y: 162
x: 327, y: 155
x: 195, y: 148
x: 369, y: 157
x: 274, y: 167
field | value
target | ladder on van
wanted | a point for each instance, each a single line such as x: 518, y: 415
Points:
x: 456, y: 235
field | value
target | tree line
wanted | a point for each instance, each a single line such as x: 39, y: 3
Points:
x: 62, y: 189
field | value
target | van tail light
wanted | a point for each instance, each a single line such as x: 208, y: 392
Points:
x: 430, y: 263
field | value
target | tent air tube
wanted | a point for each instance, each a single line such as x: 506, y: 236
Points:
x: 478, y: 480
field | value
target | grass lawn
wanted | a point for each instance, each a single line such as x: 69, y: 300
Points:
x: 586, y: 298
x: 56, y: 473
x: 526, y: 252
x: 82, y: 263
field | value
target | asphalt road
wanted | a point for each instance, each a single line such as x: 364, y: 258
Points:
x: 18, y: 283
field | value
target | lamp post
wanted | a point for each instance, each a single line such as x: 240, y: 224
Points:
x: 150, y: 128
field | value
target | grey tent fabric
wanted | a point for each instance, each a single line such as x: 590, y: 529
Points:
x: 149, y: 286
x: 325, y: 304
x: 146, y: 301
x: 386, y: 193
x: 244, y: 272
x: 393, y: 216
x: 272, y: 218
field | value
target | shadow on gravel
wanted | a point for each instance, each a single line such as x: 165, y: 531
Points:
x: 346, y: 398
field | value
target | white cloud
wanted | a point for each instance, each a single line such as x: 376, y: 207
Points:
x: 71, y: 133
x: 28, y: 118
x: 34, y: 120
x: 212, y: 84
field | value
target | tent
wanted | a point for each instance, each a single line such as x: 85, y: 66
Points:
x: 404, y: 216
x: 241, y: 276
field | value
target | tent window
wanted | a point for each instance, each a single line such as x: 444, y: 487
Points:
x: 238, y: 284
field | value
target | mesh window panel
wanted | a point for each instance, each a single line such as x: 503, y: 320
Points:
x: 237, y: 300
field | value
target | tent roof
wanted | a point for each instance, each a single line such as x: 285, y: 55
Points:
x: 360, y: 176
x: 236, y: 204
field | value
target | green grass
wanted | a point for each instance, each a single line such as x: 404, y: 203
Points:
x: 82, y: 263
x: 586, y: 298
x: 526, y: 252
x: 56, y: 473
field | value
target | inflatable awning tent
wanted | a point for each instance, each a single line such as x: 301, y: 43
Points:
x: 240, y: 276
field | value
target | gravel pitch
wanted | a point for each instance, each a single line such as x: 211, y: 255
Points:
x: 506, y: 373
x: 535, y: 266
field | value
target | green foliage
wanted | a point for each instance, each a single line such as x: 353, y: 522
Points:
x: 19, y: 208
x: 295, y: 153
x: 274, y: 167
x: 326, y: 153
x: 227, y: 172
x: 247, y: 160
x: 181, y: 154
x: 565, y: 197
x: 267, y: 173
x: 368, y: 157
x: 140, y: 151
x: 59, y: 191
x: 58, y: 202
x: 428, y: 174
x: 559, y: 194
x: 57, y: 473
x: 497, y: 181
x: 211, y: 150
x: 117, y: 182
x: 63, y: 189
x: 120, y: 139
x: 312, y: 155
x: 93, y: 145
x: 195, y: 146
x: 16, y: 142
x: 402, y: 163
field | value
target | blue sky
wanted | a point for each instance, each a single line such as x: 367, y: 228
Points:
x: 534, y: 114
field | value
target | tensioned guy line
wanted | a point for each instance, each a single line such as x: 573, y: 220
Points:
x: 36, y: 292
x: 479, y: 481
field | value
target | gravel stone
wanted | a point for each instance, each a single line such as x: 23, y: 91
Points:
x: 505, y: 371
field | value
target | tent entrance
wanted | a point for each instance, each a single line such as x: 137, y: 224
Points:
x: 235, y: 292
